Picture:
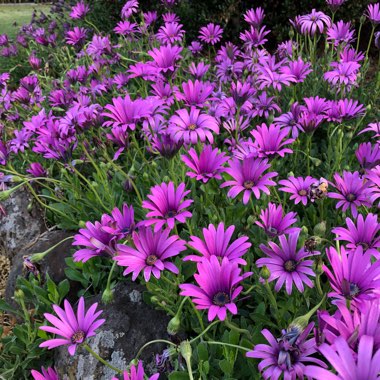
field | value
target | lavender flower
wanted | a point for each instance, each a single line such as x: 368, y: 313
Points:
x: 47, y: 374
x: 210, y: 34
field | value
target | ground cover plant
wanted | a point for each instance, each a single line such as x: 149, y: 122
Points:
x: 240, y: 186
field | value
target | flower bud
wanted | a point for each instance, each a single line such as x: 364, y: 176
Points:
x: 107, y: 296
x: 82, y: 224
x: 16, y: 179
x: 265, y: 272
x: 146, y: 175
x: 318, y: 266
x: 186, y: 350
x: 320, y: 229
x: 174, y: 325
x: 251, y: 220
x: 19, y: 294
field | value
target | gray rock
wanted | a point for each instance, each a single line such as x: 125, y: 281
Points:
x: 130, y: 323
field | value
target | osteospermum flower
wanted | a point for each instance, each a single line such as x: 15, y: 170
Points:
x: 254, y: 17
x: 210, y: 34
x: 352, y: 192
x: 136, y: 373
x: 47, y: 374
x: 364, y: 234
x: 76, y: 37
x: 167, y: 205
x: 270, y: 141
x: 165, y: 58
x: 193, y: 126
x: 340, y: 33
x: 121, y: 223
x: 151, y: 253
x: 170, y: 33
x: 281, y: 357
x: 363, y: 365
x: 72, y: 329
x: 374, y: 182
x: 352, y: 276
x: 313, y: 22
x: 275, y: 223
x: 298, y: 188
x: 79, y: 10
x: 344, y: 74
x: 248, y: 177
x: 286, y: 264
x: 209, y: 164
x: 373, y: 13
x: 335, y: 4
x: 218, y: 287
x: 216, y: 242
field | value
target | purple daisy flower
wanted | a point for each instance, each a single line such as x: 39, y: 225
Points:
x: 217, y: 243
x: 73, y: 329
x: 372, y: 127
x: 151, y: 253
x: 335, y: 4
x: 254, y: 37
x: 79, y: 10
x: 195, y: 47
x: 164, y: 58
x: 352, y: 276
x: 353, y: 192
x: 373, y: 13
x: 198, y: 70
x: 254, y: 17
x: 126, y: 28
x: 291, y: 119
x: 47, y: 374
x: 76, y: 37
x: 122, y: 223
x: 170, y: 33
x: 209, y: 164
x: 195, y: 93
x: 374, y: 184
x: 136, y: 373
x: 36, y: 170
x: 167, y: 205
x: 280, y: 357
x: 363, y: 365
x: 270, y: 141
x: 286, y: 264
x: 368, y: 155
x: 193, y: 126
x: 340, y: 33
x: 217, y: 287
x: 210, y: 34
x: 363, y: 234
x: 297, y: 69
x: 343, y: 74
x: 298, y: 188
x: 313, y: 22
x: 274, y: 223
x: 129, y: 8
x: 248, y: 176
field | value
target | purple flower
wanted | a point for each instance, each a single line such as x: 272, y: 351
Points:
x: 167, y: 205
x: 335, y: 4
x: 254, y: 17
x: 79, y: 10
x: 195, y: 93
x: 195, y: 47
x: 151, y: 253
x: 281, y: 357
x: 297, y: 69
x: 352, y: 192
x: 76, y: 37
x: 126, y: 28
x: 217, y: 287
x: 47, y: 374
x: 373, y: 13
x: 208, y: 165
x: 298, y: 188
x: 164, y: 58
x: 129, y: 8
x: 248, y: 176
x: 122, y: 223
x: 210, y: 34
x: 264, y: 106
x: 340, y: 33
x: 36, y: 170
x: 217, y: 243
x: 73, y: 329
x: 352, y: 276
x: 170, y: 33
x: 362, y: 234
x: 313, y: 22
x: 274, y: 223
x: 136, y: 373
x: 344, y: 74
x: 193, y: 126
x: 286, y: 264
x: 365, y: 364
x: 291, y: 119
x: 368, y: 155
x: 254, y: 37
x: 372, y: 127
x: 198, y: 70
x: 270, y: 141
x: 374, y: 182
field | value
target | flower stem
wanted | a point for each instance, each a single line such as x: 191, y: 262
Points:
x: 229, y: 345
x: 235, y: 328
x: 96, y: 356
x: 369, y: 42
x: 40, y: 255
x: 153, y: 342
x: 272, y: 299
x: 204, y: 331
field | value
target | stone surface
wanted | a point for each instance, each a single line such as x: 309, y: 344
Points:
x: 20, y: 226
x: 130, y: 323
x: 53, y: 263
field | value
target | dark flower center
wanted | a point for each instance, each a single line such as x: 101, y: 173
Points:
x: 151, y: 260
x: 248, y: 184
x: 351, y: 197
x: 287, y: 358
x: 290, y: 265
x: 271, y: 231
x: 364, y: 245
x: 221, y: 298
x: 170, y: 214
x: 78, y: 337
x: 354, y: 289
x: 302, y: 192
x: 192, y: 127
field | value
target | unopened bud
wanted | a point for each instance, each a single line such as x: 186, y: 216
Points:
x: 320, y: 229
x: 265, y: 272
x: 318, y: 266
x: 82, y: 224
x: 107, y: 296
x: 186, y: 350
x: 174, y: 325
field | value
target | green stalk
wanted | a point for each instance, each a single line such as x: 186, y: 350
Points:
x: 96, y: 356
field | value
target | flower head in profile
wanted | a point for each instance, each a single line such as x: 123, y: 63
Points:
x: 352, y: 192
x: 217, y: 242
x: 373, y: 13
x: 121, y: 222
x: 211, y: 34
x: 352, y: 275
x: 209, y: 163
x: 129, y: 8
x: 335, y: 4
x: 364, y: 233
x: 170, y: 33
x: 45, y: 374
x: 349, y: 365
x: 314, y: 22
x: 275, y: 223
x: 368, y: 155
x: 298, y: 187
x: 36, y: 170
x: 136, y: 373
x: 286, y: 264
x: 217, y: 287
x: 374, y: 182
x: 248, y: 177
x: 165, y: 58
x: 151, y: 253
x: 72, y: 329
x: 192, y: 126
x: 76, y: 37
x: 79, y: 10
x: 167, y: 205
x: 254, y: 17
x: 340, y: 33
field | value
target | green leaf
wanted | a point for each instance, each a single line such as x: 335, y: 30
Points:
x: 8, y: 308
x: 202, y: 352
x: 63, y: 289
x: 226, y: 366
x: 179, y: 376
